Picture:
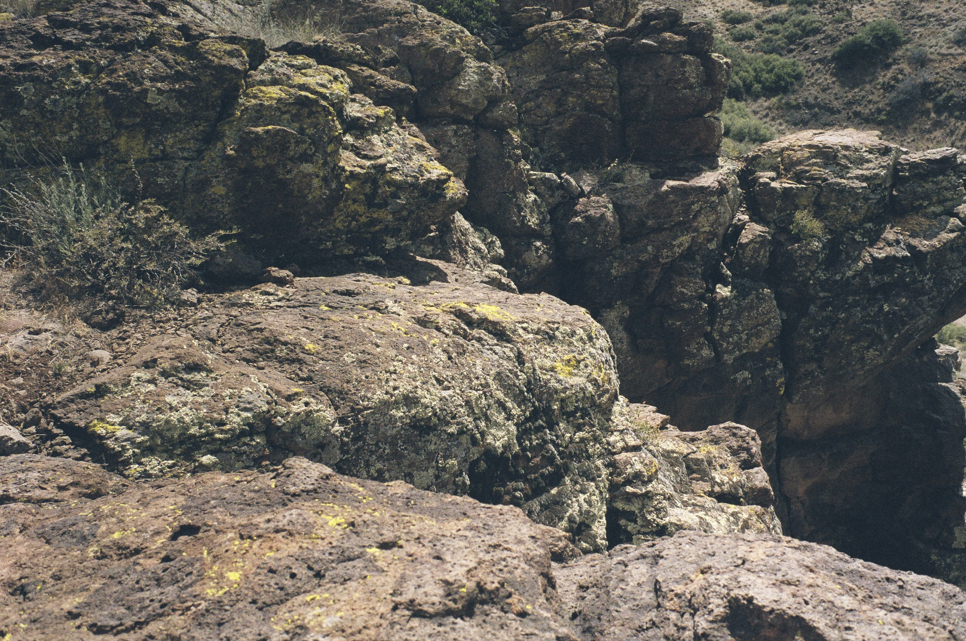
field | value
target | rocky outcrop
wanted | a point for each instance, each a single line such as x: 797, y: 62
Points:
x: 785, y: 294
x: 302, y: 552
x: 782, y: 293
x: 225, y: 134
x: 589, y: 94
x: 434, y: 378
x: 747, y: 588
x: 897, y: 447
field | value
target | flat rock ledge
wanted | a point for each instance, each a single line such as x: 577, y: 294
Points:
x: 303, y: 553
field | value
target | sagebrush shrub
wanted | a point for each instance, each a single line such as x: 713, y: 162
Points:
x: 743, y: 33
x: 304, y: 24
x: 741, y: 125
x: 871, y: 43
x: 19, y: 8
x: 731, y: 16
x: 76, y: 238
x: 755, y: 74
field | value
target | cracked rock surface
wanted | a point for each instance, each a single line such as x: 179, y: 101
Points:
x: 303, y: 553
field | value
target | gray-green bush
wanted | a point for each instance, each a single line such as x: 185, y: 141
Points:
x: 743, y: 33
x: 76, y: 239
x: 755, y: 74
x: 262, y: 21
x: 19, y: 8
x: 731, y: 16
x: 741, y: 125
x: 870, y: 44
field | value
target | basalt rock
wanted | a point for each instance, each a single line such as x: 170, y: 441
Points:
x: 301, y: 552
x: 218, y: 130
x: 589, y: 94
x: 449, y: 384
x: 790, y: 294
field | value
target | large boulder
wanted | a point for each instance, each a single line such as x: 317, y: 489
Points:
x: 447, y: 383
x: 302, y: 552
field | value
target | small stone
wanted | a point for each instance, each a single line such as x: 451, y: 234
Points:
x: 99, y: 357
x: 12, y: 441
x: 280, y: 277
x: 570, y: 185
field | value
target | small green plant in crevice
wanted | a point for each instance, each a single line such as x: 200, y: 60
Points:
x: 874, y: 41
x: 76, y: 240
x: 476, y: 16
x: 806, y: 226
x: 19, y: 8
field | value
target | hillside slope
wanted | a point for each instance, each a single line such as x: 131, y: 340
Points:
x: 915, y: 94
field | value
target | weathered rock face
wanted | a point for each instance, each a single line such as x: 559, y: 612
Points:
x: 780, y: 294
x: 302, y: 553
x: 595, y: 105
x: 589, y: 94
x: 217, y: 129
x: 747, y: 587
x: 897, y: 446
x: 786, y: 315
x: 451, y: 385
x: 448, y: 384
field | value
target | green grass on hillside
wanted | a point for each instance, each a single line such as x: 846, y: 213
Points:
x: 755, y: 75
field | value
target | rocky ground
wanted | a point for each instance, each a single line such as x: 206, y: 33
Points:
x: 511, y: 267
x: 304, y: 553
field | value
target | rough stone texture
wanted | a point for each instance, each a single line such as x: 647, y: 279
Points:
x: 746, y: 588
x: 897, y: 445
x: 711, y: 481
x: 798, y: 317
x: 218, y: 130
x: 589, y: 94
x: 299, y: 554
x: 450, y: 385
x: 651, y: 290
x: 303, y: 553
x: 781, y: 294
x: 12, y: 441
